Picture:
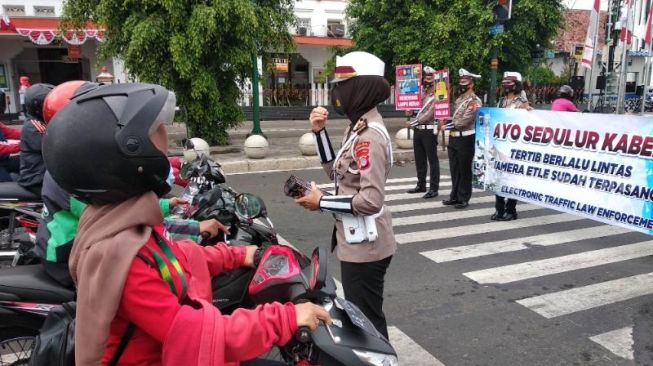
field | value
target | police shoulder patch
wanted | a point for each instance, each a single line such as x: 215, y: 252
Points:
x: 362, y: 152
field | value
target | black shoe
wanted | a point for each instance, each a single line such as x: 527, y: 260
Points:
x: 496, y: 215
x: 418, y: 189
x: 430, y: 194
x: 461, y: 204
x: 508, y: 216
x: 450, y: 202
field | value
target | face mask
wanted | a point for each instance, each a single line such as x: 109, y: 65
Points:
x: 335, y: 101
x: 171, y: 178
x: 462, y: 89
x: 507, y: 89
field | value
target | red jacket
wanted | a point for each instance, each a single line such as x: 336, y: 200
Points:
x: 9, y: 133
x: 148, y: 302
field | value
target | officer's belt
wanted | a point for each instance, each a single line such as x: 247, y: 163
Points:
x: 461, y: 133
x: 426, y: 127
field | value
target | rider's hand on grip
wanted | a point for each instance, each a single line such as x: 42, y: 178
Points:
x: 309, y: 315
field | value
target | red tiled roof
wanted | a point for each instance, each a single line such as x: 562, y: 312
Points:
x: 574, y: 30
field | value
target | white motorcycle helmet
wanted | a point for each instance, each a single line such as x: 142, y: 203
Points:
x: 195, y: 147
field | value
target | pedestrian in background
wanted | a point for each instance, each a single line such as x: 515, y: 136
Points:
x: 425, y: 139
x: 461, y: 140
x: 24, y: 85
x: 512, y: 99
x: 565, y: 100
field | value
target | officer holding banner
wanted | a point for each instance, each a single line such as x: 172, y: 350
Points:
x: 461, y: 140
x: 512, y: 87
x: 425, y: 139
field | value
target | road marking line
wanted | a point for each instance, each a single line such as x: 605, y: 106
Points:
x: 521, y: 243
x: 619, y: 342
x: 453, y: 215
x: 409, y: 186
x: 408, y: 351
x: 452, y: 232
x: 550, y: 266
x: 409, y: 196
x: 434, y: 203
x: 582, y: 298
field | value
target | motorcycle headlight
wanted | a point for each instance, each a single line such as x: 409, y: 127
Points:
x: 376, y: 359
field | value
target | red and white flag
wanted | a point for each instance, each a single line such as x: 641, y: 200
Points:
x: 5, y: 23
x: 588, y: 50
x: 626, y: 35
x: 649, y: 22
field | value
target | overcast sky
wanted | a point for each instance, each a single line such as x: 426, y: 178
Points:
x: 584, y: 4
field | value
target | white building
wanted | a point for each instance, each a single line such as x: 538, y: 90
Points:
x: 31, y: 45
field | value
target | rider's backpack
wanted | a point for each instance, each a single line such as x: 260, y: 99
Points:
x: 55, y: 344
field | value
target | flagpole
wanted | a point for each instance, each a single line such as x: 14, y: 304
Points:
x: 624, y: 64
x: 596, y: 36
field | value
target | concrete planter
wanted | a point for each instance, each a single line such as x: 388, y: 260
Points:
x: 256, y: 147
x: 403, y: 140
x: 307, y: 144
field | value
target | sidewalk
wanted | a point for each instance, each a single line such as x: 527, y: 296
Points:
x: 283, y: 153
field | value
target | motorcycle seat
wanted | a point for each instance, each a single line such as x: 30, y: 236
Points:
x: 12, y: 191
x: 30, y: 283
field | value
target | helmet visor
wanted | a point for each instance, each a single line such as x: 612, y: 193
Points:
x: 167, y: 114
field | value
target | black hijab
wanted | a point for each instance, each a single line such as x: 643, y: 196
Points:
x: 356, y: 96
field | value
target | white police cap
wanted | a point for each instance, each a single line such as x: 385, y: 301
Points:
x: 466, y: 74
x: 512, y: 75
x: 357, y: 64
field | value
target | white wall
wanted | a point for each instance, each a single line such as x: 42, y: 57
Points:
x: 320, y: 12
x: 29, y: 5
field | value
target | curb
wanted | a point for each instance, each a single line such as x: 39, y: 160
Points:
x: 295, y: 163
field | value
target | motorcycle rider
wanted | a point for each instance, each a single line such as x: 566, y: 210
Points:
x: 32, y: 168
x: 565, y: 100
x: 360, y: 170
x: 61, y: 212
x: 425, y: 139
x: 121, y: 237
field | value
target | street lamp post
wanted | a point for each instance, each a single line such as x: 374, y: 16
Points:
x: 256, y: 109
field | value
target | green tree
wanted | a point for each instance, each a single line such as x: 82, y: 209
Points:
x: 452, y: 33
x: 197, y: 48
x: 542, y: 75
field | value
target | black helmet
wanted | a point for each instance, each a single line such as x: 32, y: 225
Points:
x: 34, y: 97
x: 98, y: 147
x: 566, y: 91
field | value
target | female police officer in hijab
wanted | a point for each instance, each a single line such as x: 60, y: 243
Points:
x: 363, y: 236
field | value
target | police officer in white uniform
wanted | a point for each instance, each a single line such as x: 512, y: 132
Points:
x: 363, y: 235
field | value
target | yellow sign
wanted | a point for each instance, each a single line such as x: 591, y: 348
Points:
x: 280, y: 64
x: 578, y: 53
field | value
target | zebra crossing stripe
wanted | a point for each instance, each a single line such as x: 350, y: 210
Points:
x: 582, y: 298
x: 515, y: 244
x: 409, y: 196
x: 545, y: 267
x: 408, y: 351
x: 409, y: 186
x: 452, y: 232
x: 434, y: 203
x: 451, y: 215
x: 618, y: 341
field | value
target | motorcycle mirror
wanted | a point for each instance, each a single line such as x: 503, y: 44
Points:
x: 319, y: 261
x: 250, y: 206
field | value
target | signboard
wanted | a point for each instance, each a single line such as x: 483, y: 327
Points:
x: 3, y: 77
x: 578, y: 53
x: 280, y: 64
x: 548, y: 54
x: 497, y: 29
x: 582, y: 164
x: 442, y: 102
x: 408, y: 95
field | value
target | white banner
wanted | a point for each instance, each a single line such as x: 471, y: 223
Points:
x: 599, y: 166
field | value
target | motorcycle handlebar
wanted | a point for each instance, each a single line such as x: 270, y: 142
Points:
x: 303, y: 335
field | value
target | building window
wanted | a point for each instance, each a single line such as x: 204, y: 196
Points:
x: 335, y: 28
x: 44, y: 11
x: 303, y: 26
x: 14, y: 10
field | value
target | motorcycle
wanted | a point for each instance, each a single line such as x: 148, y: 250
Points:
x: 282, y: 273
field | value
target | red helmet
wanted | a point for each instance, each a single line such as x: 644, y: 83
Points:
x: 60, y: 96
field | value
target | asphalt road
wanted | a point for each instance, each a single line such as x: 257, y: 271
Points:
x: 547, y: 289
